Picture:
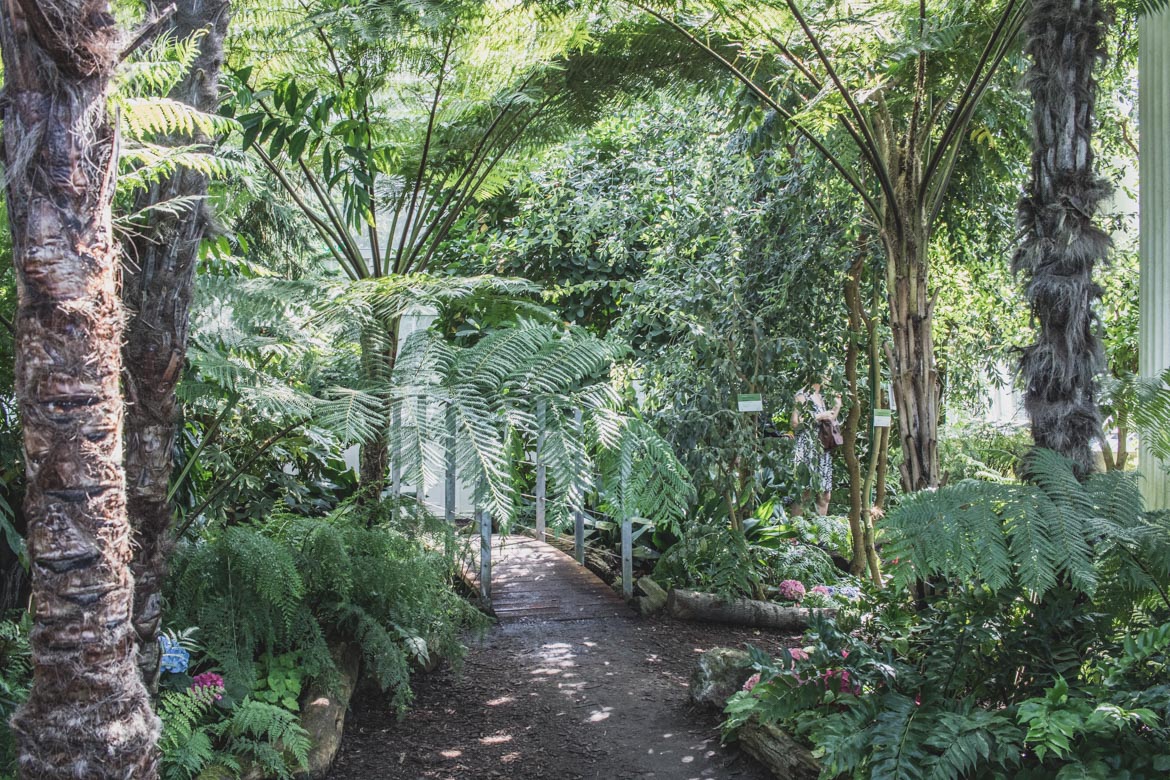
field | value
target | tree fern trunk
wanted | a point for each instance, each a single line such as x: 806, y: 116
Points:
x: 1062, y: 245
x: 159, y: 279
x: 378, y: 353
x: 88, y: 714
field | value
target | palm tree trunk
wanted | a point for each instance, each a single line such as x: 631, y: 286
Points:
x: 88, y: 713
x: 159, y: 280
x: 1062, y: 245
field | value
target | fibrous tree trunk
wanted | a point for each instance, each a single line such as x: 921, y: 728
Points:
x: 1062, y: 245
x: 378, y: 351
x: 88, y: 714
x: 913, y: 372
x: 159, y: 280
x: 860, y: 516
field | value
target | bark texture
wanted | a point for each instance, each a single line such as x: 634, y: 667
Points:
x: 691, y: 605
x: 913, y: 372
x: 159, y: 280
x: 784, y: 756
x: 1062, y: 245
x: 853, y: 420
x: 88, y: 714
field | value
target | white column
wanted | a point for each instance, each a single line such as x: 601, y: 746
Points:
x: 1154, y: 200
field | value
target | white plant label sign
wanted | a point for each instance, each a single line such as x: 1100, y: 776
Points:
x: 751, y: 402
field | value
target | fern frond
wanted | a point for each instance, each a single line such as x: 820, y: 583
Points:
x: 145, y: 118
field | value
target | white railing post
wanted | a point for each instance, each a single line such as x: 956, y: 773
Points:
x: 627, y: 558
x: 579, y: 511
x: 1154, y: 229
x: 541, y: 477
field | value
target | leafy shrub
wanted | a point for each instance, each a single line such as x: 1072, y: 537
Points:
x: 716, y: 558
x: 295, y: 584
x: 280, y: 681
x: 986, y: 451
x: 15, y: 678
x: 201, y: 740
x: 1033, y: 643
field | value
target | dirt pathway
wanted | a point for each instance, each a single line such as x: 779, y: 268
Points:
x: 600, y: 698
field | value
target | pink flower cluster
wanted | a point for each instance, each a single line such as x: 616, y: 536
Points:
x: 793, y: 590
x: 846, y: 684
x: 822, y: 590
x: 752, y: 682
x: 208, y: 680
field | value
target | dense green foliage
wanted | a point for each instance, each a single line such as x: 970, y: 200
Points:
x: 296, y: 585
x: 605, y: 236
x: 1035, y: 646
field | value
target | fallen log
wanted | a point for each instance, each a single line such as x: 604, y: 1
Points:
x: 720, y: 672
x: 692, y: 605
x: 784, y: 757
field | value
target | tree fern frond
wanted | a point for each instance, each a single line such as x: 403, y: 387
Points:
x: 353, y: 416
x: 145, y: 118
x: 1035, y: 535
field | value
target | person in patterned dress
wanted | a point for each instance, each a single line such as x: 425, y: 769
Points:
x: 810, y: 459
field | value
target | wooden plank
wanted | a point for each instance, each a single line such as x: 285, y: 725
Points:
x: 533, y: 580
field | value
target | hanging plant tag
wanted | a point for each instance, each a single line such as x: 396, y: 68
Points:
x: 751, y: 402
x: 881, y: 418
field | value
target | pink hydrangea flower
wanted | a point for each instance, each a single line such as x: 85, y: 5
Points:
x: 822, y: 590
x: 752, y: 682
x: 208, y: 680
x: 798, y: 654
x: 793, y: 590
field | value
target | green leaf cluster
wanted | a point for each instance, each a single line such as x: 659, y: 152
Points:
x: 1031, y: 642
x: 201, y: 740
x: 264, y: 595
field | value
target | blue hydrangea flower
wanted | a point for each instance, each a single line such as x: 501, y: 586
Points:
x: 174, y: 658
x: 849, y: 592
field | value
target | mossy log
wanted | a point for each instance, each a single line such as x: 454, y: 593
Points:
x: 650, y: 596
x: 720, y: 672
x: 783, y: 756
x: 691, y: 605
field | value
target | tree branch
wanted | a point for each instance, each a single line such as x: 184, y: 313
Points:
x: 994, y: 51
x: 771, y: 102
x: 422, y: 164
x: 202, y: 507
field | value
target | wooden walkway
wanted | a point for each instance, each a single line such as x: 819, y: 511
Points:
x: 533, y: 580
